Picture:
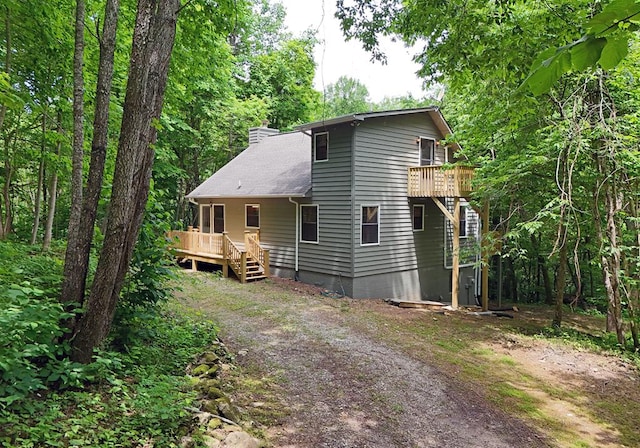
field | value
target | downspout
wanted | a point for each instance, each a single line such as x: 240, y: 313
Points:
x: 296, y: 275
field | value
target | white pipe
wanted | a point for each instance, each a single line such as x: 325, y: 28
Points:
x: 297, y: 233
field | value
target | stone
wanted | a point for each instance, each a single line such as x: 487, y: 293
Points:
x: 209, y: 358
x: 214, y: 423
x: 204, y: 417
x: 213, y: 371
x: 227, y: 410
x: 210, y: 442
x: 187, y: 442
x: 213, y: 392
x: 200, y: 370
x: 241, y: 439
x: 210, y: 406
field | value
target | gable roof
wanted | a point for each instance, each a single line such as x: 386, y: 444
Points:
x: 277, y: 166
x: 433, y: 112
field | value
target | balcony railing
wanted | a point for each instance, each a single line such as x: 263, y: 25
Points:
x: 439, y: 182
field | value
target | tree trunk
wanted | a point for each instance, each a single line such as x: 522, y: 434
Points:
x: 561, y: 277
x: 38, y: 197
x: 78, y: 136
x: 7, y: 58
x: 53, y: 194
x: 6, y: 215
x: 153, y: 39
x: 76, y: 264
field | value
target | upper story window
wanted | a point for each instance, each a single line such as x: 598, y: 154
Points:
x: 427, y: 151
x: 370, y: 225
x: 309, y: 223
x: 321, y: 147
x: 418, y: 217
x: 252, y: 216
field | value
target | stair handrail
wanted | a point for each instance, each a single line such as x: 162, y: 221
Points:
x: 237, y: 258
x: 256, y: 251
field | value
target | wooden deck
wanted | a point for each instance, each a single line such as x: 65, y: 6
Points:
x: 248, y: 260
x: 439, y: 182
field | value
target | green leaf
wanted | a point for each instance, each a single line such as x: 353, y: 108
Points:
x: 586, y: 53
x: 612, y: 14
x: 548, y: 71
x: 614, y: 51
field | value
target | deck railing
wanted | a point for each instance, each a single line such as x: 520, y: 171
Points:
x: 437, y: 181
x: 220, y: 249
x: 193, y: 241
x: 256, y: 251
x: 237, y: 258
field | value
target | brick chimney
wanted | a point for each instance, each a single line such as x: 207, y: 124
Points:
x: 257, y: 134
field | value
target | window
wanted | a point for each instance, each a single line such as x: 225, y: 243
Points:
x: 370, y: 225
x: 252, y: 216
x: 309, y: 223
x: 418, y: 217
x: 321, y: 146
x: 463, y: 221
x: 427, y: 151
x: 218, y: 218
x: 205, y: 218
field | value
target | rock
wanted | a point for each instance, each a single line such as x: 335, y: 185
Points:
x: 207, y: 383
x: 210, y: 406
x: 200, y: 370
x: 204, y: 417
x: 213, y: 371
x: 213, y: 392
x: 214, y: 423
x: 227, y: 410
x: 210, y: 442
x: 209, y: 358
x: 241, y: 439
x: 187, y: 442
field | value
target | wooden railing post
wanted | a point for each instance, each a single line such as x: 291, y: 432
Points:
x: 243, y: 267
x: 267, y: 271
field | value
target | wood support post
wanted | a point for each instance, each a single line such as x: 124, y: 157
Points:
x: 267, y: 271
x: 455, y: 283
x: 485, y: 257
x: 243, y: 267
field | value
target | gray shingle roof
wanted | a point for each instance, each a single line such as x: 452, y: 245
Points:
x: 278, y: 166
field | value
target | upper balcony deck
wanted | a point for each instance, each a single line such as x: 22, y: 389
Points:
x: 439, y: 182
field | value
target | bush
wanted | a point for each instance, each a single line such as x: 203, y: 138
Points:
x: 32, y: 357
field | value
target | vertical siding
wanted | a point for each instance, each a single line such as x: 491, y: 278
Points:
x: 331, y: 187
x: 386, y: 147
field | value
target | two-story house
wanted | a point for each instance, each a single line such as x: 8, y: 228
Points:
x: 359, y: 204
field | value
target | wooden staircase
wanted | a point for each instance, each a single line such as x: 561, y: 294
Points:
x: 249, y: 261
x: 254, y: 271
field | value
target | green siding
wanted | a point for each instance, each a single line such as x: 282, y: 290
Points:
x: 386, y: 147
x: 331, y: 187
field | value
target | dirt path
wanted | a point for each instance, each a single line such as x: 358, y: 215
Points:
x: 334, y: 384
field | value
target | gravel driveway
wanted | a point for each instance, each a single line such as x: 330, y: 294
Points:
x: 340, y: 385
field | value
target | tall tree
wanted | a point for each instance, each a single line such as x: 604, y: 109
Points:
x: 153, y: 40
x: 77, y: 255
x: 345, y: 96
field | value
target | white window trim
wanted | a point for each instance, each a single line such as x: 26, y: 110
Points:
x: 245, y: 216
x: 224, y: 216
x: 433, y: 158
x: 317, y: 223
x: 464, y: 209
x: 201, y: 226
x: 315, y: 136
x: 361, y: 223
x: 421, y: 229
